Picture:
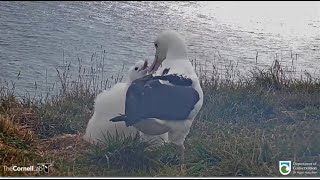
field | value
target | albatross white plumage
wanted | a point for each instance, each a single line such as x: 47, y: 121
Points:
x: 110, y: 103
x: 169, y: 98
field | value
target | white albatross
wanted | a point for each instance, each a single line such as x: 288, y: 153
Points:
x: 169, y: 98
x: 110, y: 103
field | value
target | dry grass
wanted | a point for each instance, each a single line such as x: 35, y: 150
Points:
x: 245, y: 127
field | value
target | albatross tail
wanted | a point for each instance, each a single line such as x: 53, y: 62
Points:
x: 119, y: 118
x: 122, y: 117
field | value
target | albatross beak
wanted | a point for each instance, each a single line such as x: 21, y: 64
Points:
x: 145, y: 65
x: 155, y: 65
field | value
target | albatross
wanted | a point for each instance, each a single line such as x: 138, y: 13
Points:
x: 169, y: 97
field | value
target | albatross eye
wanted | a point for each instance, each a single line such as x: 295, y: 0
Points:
x: 136, y: 68
x: 156, y: 45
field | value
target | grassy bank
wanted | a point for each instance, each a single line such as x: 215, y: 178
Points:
x: 245, y: 127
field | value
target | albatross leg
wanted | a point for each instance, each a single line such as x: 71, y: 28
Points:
x: 183, y: 168
x: 177, y: 135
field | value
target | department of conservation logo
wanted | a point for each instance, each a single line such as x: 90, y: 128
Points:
x: 285, y: 167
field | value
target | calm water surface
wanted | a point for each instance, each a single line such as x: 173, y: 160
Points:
x: 38, y: 37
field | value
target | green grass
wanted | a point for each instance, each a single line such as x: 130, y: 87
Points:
x: 245, y: 127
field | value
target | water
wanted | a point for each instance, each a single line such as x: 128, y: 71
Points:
x: 37, y: 37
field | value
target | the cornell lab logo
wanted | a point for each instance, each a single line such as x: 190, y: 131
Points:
x: 44, y: 167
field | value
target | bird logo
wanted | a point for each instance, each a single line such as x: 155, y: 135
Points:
x: 285, y: 167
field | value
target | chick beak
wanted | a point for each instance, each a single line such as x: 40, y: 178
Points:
x: 145, y: 65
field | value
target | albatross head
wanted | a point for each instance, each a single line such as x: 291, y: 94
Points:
x: 138, y: 70
x: 169, y: 45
